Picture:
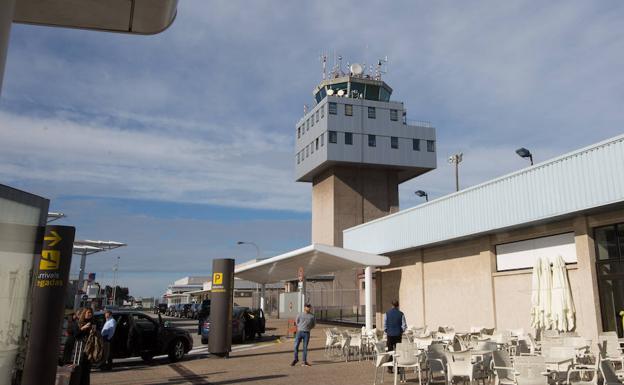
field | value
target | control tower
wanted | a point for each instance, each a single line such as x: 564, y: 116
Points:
x: 356, y: 146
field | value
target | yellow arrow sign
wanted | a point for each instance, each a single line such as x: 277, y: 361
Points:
x: 55, y: 238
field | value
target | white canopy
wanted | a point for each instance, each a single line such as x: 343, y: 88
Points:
x: 316, y: 259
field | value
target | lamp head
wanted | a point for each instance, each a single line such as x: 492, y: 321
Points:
x: 523, y: 152
x: 420, y: 193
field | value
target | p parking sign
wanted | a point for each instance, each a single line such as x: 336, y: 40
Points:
x: 217, y: 278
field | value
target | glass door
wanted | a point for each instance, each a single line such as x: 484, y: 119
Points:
x: 610, y: 269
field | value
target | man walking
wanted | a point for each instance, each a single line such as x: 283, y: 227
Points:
x: 305, y: 322
x: 394, y: 325
x: 108, y: 331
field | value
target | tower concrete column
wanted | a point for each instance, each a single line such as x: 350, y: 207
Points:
x: 7, y: 10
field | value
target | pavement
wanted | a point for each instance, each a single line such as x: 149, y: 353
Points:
x: 266, y: 361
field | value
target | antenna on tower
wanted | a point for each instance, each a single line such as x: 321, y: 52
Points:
x: 324, y: 61
x: 340, y: 65
x: 378, y: 70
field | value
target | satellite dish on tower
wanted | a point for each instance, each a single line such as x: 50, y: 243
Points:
x: 356, y: 69
x: 341, y: 92
x: 330, y: 92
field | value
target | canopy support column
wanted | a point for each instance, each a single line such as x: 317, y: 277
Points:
x: 368, y: 296
x: 262, y: 299
x: 302, y: 291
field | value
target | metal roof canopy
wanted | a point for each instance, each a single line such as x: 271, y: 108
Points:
x: 130, y: 16
x: 316, y: 259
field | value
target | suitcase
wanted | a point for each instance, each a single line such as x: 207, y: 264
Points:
x: 70, y: 374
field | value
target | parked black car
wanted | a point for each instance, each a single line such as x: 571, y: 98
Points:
x: 139, y: 335
x: 246, y: 323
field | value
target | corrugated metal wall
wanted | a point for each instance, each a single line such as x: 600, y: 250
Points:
x: 584, y: 179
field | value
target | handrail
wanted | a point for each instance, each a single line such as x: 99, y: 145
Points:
x: 419, y: 123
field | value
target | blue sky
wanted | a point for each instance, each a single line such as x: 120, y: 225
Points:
x: 181, y: 143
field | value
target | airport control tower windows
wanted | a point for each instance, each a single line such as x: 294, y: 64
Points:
x: 394, y: 142
x: 333, y: 137
x: 349, y: 138
x: 372, y: 141
x: 333, y: 108
x: 394, y: 115
x: 322, y: 139
x: 416, y: 144
x: 372, y: 92
x: 430, y: 146
x: 349, y: 109
x: 317, y: 144
x: 298, y: 132
x: 371, y: 112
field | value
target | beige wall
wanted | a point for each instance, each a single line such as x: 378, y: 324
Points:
x: 457, y: 284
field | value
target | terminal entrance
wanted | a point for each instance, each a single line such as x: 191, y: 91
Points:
x: 610, y: 269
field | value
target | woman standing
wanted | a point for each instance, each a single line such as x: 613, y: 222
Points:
x: 82, y: 329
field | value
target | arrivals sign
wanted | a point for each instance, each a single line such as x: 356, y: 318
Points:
x: 48, y: 305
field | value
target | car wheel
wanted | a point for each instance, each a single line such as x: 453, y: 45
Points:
x: 176, y: 351
x: 147, y: 357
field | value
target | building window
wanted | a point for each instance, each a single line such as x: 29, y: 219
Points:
x: 312, y: 120
x: 322, y: 139
x: 416, y: 144
x: 298, y: 132
x: 394, y: 142
x: 322, y: 111
x: 371, y: 112
x: 333, y: 109
x: 430, y: 146
x: 308, y: 124
x: 333, y: 137
x: 297, y: 158
x: 317, y: 143
x: 394, y: 115
x: 348, y: 138
x: 349, y: 109
x: 312, y: 148
x: 317, y: 116
x: 372, y: 141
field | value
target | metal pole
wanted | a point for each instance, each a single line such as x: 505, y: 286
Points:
x: 78, y: 297
x: 456, y: 175
x: 368, y: 296
x: 7, y: 10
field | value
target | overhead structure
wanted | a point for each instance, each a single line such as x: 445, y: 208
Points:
x: 88, y: 247
x: 316, y: 259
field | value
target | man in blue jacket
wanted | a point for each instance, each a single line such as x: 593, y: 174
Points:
x: 394, y: 325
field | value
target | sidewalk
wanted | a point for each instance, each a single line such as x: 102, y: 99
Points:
x: 265, y: 363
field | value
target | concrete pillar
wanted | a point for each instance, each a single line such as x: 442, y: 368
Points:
x: 368, y: 296
x: 7, y: 9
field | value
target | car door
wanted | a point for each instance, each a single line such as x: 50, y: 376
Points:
x: 119, y: 345
x: 145, y: 333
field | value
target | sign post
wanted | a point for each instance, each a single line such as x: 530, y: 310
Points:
x: 221, y: 303
x: 48, y: 304
x: 302, y: 288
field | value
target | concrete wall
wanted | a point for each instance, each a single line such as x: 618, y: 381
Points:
x: 344, y: 197
x: 457, y: 283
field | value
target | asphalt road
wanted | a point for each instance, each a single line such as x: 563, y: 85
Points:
x: 199, y: 350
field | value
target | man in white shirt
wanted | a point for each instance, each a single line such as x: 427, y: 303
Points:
x: 108, y: 331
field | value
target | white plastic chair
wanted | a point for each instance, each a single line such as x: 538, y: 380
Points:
x: 530, y: 370
x: 383, y: 360
x: 406, y: 356
x: 459, y: 365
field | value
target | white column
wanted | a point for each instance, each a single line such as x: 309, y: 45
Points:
x: 262, y: 299
x: 78, y: 296
x: 7, y: 10
x: 302, y: 290
x: 368, y: 296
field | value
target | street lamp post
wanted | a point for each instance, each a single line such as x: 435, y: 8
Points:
x: 115, y: 269
x: 524, y: 153
x: 456, y: 160
x: 421, y: 194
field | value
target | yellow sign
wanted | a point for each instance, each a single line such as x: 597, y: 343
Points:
x: 50, y: 260
x: 54, y: 238
x: 217, y: 279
